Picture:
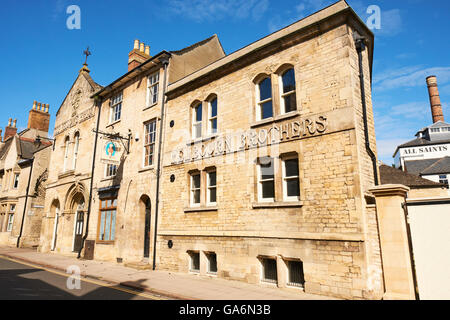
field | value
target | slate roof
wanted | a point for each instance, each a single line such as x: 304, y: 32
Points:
x: 390, y: 175
x: 440, y: 166
x: 428, y: 166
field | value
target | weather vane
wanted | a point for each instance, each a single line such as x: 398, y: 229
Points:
x: 87, y: 53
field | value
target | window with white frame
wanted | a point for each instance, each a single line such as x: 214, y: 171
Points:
x: 149, y: 142
x: 16, y: 181
x: 291, y: 185
x: 75, y: 150
x: 266, y: 179
x: 153, y: 89
x: 197, y: 121
x: 115, y: 108
x: 111, y: 170
x: 443, y: 178
x: 264, y: 98
x: 66, y: 153
x: 12, y: 209
x: 287, y: 88
x: 211, y: 187
x: 212, y: 116
x: 195, y: 189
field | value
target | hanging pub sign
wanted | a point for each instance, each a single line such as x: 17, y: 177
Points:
x: 111, y: 152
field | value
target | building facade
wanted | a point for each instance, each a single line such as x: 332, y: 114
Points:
x: 428, y: 155
x: 254, y: 166
x: 122, y: 213
x: 24, y: 159
x: 69, y: 174
x: 265, y: 171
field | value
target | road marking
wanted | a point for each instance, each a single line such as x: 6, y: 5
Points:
x: 115, y: 287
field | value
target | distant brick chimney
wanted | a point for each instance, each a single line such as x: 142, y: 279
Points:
x: 138, y: 55
x: 39, y: 118
x: 10, y: 130
x: 435, y: 101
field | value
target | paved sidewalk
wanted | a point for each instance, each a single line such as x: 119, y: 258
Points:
x: 168, y: 284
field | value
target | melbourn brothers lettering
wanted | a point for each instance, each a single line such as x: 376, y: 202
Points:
x: 250, y: 139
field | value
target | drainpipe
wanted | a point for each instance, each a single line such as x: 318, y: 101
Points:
x: 98, y: 102
x: 165, y: 61
x: 360, y: 47
x: 26, y: 201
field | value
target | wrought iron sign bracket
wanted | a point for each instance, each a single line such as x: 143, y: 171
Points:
x: 116, y: 136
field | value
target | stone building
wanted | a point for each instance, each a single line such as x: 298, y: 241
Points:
x: 428, y: 155
x: 24, y: 159
x: 269, y: 154
x: 120, y: 124
x: 69, y: 174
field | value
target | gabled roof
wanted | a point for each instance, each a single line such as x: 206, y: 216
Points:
x: 428, y: 166
x: 84, y: 72
x: 438, y: 167
x: 5, y: 148
x: 390, y: 175
x: 196, y: 45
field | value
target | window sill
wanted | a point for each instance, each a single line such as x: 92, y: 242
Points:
x: 113, y: 123
x: 107, y: 179
x: 278, y: 118
x: 109, y: 243
x: 149, y: 106
x: 201, y: 140
x: 269, y: 205
x: 66, y: 174
x: 150, y: 168
x: 200, y: 209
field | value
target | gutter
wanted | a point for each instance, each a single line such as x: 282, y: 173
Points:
x: 360, y: 47
x: 98, y: 103
x: 158, y: 168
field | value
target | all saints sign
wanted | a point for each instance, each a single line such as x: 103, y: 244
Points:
x: 250, y: 139
x: 111, y: 152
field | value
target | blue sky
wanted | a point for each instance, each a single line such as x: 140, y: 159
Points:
x: 40, y: 56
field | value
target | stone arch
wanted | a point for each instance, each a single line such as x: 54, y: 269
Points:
x: 55, y: 207
x: 76, y: 194
x: 145, y: 210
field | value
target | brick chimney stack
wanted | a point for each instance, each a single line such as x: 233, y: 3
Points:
x: 10, y: 130
x: 138, y: 55
x: 435, y: 101
x: 39, y: 118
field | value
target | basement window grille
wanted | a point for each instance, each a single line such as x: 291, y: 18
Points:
x: 269, y: 270
x: 195, y: 261
x: 212, y: 262
x: 295, y: 274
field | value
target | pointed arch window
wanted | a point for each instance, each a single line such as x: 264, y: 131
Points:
x: 75, y: 150
x: 66, y: 153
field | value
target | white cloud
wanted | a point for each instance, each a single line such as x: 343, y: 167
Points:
x: 386, y: 149
x: 211, y: 10
x: 408, y: 77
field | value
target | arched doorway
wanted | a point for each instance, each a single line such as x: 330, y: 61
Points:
x: 79, y: 209
x: 146, y: 210
x: 54, y: 212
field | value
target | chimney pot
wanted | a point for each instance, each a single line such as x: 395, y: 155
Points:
x: 9, y: 122
x: 34, y: 105
x: 435, y: 100
x: 136, y: 44
x: 147, y: 50
x: 14, y: 123
x: 142, y: 47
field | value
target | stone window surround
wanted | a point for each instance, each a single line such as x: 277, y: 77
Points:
x: 203, y: 262
x: 205, y: 127
x: 203, y: 206
x: 279, y: 200
x: 276, y: 81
